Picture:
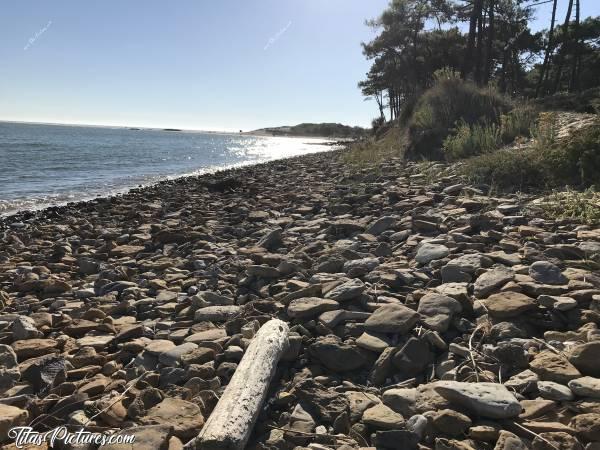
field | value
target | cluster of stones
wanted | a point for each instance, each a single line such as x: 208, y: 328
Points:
x: 423, y: 313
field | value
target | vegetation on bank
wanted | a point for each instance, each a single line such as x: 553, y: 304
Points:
x: 512, y: 109
x: 330, y: 130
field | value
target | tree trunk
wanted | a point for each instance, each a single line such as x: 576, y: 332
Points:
x: 490, y: 45
x: 230, y: 425
x: 468, y: 62
x: 549, y: 48
x: 574, y: 83
x: 479, y: 47
x: 567, y: 44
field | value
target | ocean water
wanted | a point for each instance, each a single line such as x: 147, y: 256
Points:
x: 45, y: 165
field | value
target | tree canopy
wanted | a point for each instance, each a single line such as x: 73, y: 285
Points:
x: 486, y: 41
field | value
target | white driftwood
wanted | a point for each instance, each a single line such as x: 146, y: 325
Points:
x: 231, y: 422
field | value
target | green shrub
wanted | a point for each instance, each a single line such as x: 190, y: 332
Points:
x: 549, y: 163
x: 471, y: 140
x: 545, y: 130
x: 518, y: 123
x: 581, y: 206
x: 582, y: 151
x: 440, y: 108
x: 507, y: 170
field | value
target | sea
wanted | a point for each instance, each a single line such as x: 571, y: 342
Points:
x: 45, y: 165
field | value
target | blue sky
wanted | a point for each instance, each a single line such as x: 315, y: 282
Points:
x: 197, y: 64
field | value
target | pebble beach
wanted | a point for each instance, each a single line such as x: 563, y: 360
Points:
x: 424, y: 313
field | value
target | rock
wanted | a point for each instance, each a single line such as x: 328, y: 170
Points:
x: 506, y: 305
x: 492, y: 280
x: 336, y: 355
x: 263, y: 271
x: 45, y: 373
x: 346, y: 291
x: 546, y: 273
x: 509, y: 441
x: 24, y: 328
x: 437, y: 311
x: 146, y: 437
x: 8, y: 357
x: 554, y: 391
x: 359, y: 402
x: 271, y: 240
x: 392, y: 318
x: 360, y: 267
x: 401, y: 400
x: 374, y: 342
x: 587, y: 426
x: 585, y: 358
x: 586, y: 387
x: 430, y: 252
x: 325, y: 404
x: 11, y: 416
x: 185, y: 417
x: 380, y: 417
x: 159, y: 346
x: 396, y: 439
x: 450, y: 422
x: 301, y: 421
x: 211, y: 335
x: 412, y: 358
x: 552, y: 367
x: 174, y: 355
x: 217, y: 313
x: 486, y: 399
x: 380, y: 225
x: 31, y: 348
x: 309, y: 307
x: 557, y: 440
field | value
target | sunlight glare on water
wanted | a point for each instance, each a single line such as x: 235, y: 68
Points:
x: 44, y: 165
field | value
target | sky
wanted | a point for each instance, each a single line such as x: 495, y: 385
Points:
x: 224, y: 65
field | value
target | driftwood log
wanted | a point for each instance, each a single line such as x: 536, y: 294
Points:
x: 230, y: 425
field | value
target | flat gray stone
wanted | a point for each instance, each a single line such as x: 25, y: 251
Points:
x: 308, y: 307
x: 430, y: 252
x: 437, y: 310
x: 492, y: 280
x: 346, y: 291
x: 547, y: 273
x: 489, y: 400
x: 392, y: 318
